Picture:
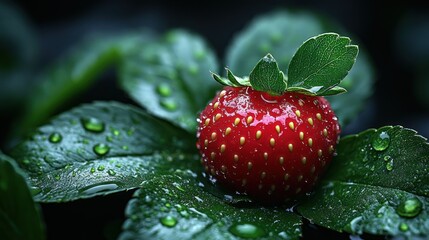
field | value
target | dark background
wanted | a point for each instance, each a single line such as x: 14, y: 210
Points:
x: 396, y: 37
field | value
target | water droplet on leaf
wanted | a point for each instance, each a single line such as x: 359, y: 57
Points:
x: 403, y: 227
x: 164, y: 90
x: 199, y: 54
x: 100, y: 187
x: 168, y: 104
x: 100, y: 168
x: 111, y: 172
x: 168, y: 221
x: 247, y: 230
x: 193, y: 69
x: 101, y: 149
x: 92, y: 124
x: 265, y: 47
x: 381, y: 141
x: 389, y: 165
x: 409, y: 208
x: 55, y: 137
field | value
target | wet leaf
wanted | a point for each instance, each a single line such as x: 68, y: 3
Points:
x: 377, y: 184
x: 179, y: 205
x: 98, y: 149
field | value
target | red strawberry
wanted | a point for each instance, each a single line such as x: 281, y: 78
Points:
x: 268, y: 147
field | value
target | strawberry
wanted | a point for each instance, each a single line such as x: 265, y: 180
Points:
x: 268, y: 147
x: 268, y: 136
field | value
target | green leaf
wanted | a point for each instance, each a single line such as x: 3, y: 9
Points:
x: 359, y: 84
x: 322, y: 62
x: 178, y: 206
x: 281, y: 33
x: 267, y: 77
x: 75, y: 72
x: 171, y: 77
x: 375, y: 174
x: 20, y: 217
x: 97, y: 149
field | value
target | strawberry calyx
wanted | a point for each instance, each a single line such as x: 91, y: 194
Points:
x: 316, y: 69
x: 267, y: 77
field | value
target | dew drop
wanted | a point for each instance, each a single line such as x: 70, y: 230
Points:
x: 92, y: 124
x: 100, y: 187
x: 92, y: 170
x: 184, y: 214
x: 389, y: 165
x: 116, y: 132
x: 168, y: 221
x: 264, y: 47
x: 101, y: 149
x: 111, y: 172
x: 381, y: 141
x: 164, y: 90
x: 403, y: 227
x: 193, y: 69
x: 55, y: 137
x: 276, y: 37
x: 409, y: 208
x: 199, y: 54
x: 100, y: 168
x: 247, y: 230
x: 179, y: 207
x: 168, y: 104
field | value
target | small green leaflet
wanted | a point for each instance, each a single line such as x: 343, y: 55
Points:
x: 378, y: 184
x: 267, y: 77
x: 177, y: 205
x: 20, y: 217
x: 99, y: 148
x: 232, y: 80
x: 321, y: 63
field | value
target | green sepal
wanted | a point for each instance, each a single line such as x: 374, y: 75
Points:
x: 267, y: 77
x: 232, y: 80
x: 315, y: 91
x: 321, y: 63
x: 244, y: 81
x: 221, y: 80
